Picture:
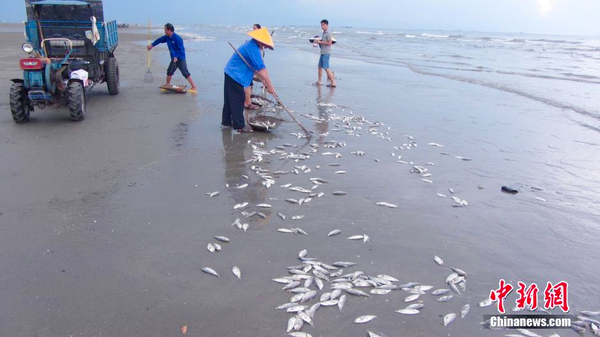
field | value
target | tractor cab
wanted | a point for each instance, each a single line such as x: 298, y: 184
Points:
x: 70, y: 50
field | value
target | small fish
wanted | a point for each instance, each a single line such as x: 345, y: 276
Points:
x: 451, y: 277
x: 426, y: 175
x: 217, y: 247
x: 340, y: 172
x: 292, y: 201
x: 356, y: 237
x: 210, y: 247
x: 299, y: 231
x: 451, y: 190
x: 335, y: 294
x: 412, y: 298
x: 222, y: 238
x: 416, y: 306
x: 339, y: 193
x: 380, y: 291
x: 438, y: 260
x: 449, y: 318
x: 485, y: 303
x: 343, y: 264
x: 237, y: 272
x: 297, y: 217
x: 245, y: 227
x: 364, y: 319
x: 302, y: 253
x: 342, y: 302
x: 427, y: 181
x: 408, y: 311
x: 356, y: 292
x: 465, y: 310
x: 281, y: 216
x: 372, y: 334
x: 213, y: 194
x: 334, y: 232
x: 299, y: 334
x: 441, y: 195
x: 242, y: 205
x: 285, y: 230
x: 386, y: 204
x: 313, y: 309
x: 286, y: 185
x: 590, y: 313
x: 445, y: 298
x: 210, y: 271
x: 305, y: 317
x: 329, y: 303
x: 264, y: 206
x: 242, y: 186
x: 296, y: 308
x: 439, y: 292
x: 291, y: 323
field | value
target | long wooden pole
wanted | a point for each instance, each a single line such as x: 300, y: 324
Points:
x: 308, y: 135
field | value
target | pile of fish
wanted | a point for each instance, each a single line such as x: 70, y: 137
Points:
x: 315, y: 285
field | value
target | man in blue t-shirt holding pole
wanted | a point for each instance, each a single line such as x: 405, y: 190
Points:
x: 177, y: 51
x: 239, y: 74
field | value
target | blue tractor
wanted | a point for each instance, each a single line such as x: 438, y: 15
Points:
x: 70, y: 49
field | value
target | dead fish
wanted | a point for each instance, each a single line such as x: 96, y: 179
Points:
x: 291, y: 323
x: 210, y: 247
x: 590, y: 313
x: 416, y: 306
x: 210, y: 271
x: 245, y: 227
x: 242, y: 186
x: 451, y: 277
x: 372, y: 334
x: 356, y: 292
x: 427, y: 181
x: 426, y: 175
x: 237, y: 272
x: 296, y: 308
x: 459, y: 271
x: 213, y: 194
x: 222, y: 238
x: 264, y: 206
x: 242, y: 205
x: 356, y: 237
x: 313, y: 309
x: 441, y: 195
x: 217, y: 247
x: 334, y: 232
x: 302, y: 253
x: 408, y: 311
x: 297, y: 217
x: 411, y: 298
x: 465, y: 310
x: 364, y: 319
x: 342, y: 302
x: 386, y: 204
x: 291, y: 285
x: 299, y: 334
x: 449, y: 318
x: 329, y: 303
x: 438, y: 260
x: 343, y: 264
x: 281, y: 216
x: 339, y: 193
x: 340, y: 172
x: 445, y: 298
x: 380, y: 291
x: 299, y: 231
x: 305, y: 317
x: 292, y: 201
x: 286, y: 185
x: 463, y: 158
x: 485, y: 303
x: 284, y: 230
x: 451, y: 190
x: 439, y: 292
x: 388, y: 278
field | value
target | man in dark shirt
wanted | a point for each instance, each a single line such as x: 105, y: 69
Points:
x: 177, y: 51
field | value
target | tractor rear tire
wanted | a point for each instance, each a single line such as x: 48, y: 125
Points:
x: 19, y: 106
x: 76, y: 98
x: 112, y: 75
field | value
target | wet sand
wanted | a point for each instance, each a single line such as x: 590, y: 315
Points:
x: 106, y: 222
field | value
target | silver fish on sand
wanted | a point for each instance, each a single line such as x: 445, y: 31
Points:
x: 356, y: 237
x: 237, y: 272
x: 445, y: 298
x: 297, y: 217
x: 465, y: 310
x: 339, y: 193
x: 264, y: 206
x: 281, y: 216
x: 342, y: 302
x: 299, y: 334
x: 411, y: 298
x: 210, y: 271
x: 334, y: 232
x: 217, y: 247
x: 485, y: 303
x: 213, y: 194
x: 340, y: 172
x: 386, y: 204
x: 438, y: 260
x: 449, y: 318
x: 242, y: 205
x: 222, y: 238
x: 408, y: 311
x: 364, y: 319
x: 242, y: 186
x: 285, y: 230
x: 210, y: 247
x: 439, y: 292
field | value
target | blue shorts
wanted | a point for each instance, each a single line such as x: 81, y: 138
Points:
x: 324, y: 61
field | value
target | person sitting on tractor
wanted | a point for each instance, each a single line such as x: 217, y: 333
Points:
x: 177, y: 51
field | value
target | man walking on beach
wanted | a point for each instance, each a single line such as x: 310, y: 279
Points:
x: 238, y: 75
x: 325, y: 43
x: 177, y: 51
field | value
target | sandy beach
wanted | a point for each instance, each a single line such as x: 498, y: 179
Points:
x: 105, y: 222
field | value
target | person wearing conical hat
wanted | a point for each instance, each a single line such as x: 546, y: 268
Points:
x: 238, y: 75
x: 248, y: 90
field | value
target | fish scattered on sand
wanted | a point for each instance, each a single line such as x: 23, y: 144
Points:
x: 237, y: 272
x: 386, y: 204
x: 222, y: 238
x: 449, y: 318
x: 438, y: 260
x: 334, y: 232
x: 210, y: 271
x: 364, y: 319
x: 465, y: 310
x: 213, y: 194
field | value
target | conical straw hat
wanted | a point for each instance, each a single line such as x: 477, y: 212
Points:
x: 263, y: 36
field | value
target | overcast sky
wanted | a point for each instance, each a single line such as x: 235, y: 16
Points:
x: 579, y: 17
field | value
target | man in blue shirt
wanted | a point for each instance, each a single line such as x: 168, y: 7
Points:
x: 177, y: 51
x: 239, y: 75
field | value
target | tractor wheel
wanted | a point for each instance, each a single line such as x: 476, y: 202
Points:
x: 19, y: 106
x: 76, y: 98
x: 112, y: 75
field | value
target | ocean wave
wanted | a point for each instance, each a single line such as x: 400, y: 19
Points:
x: 456, y: 36
x: 197, y: 37
x: 557, y: 41
x: 409, y: 36
x: 485, y: 38
x: 517, y: 41
x: 433, y: 35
